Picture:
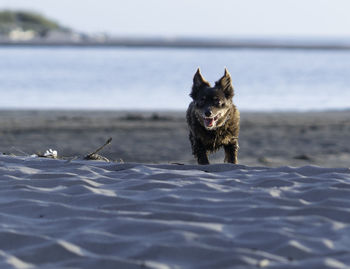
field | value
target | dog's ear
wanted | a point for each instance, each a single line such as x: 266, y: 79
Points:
x: 198, y: 83
x: 225, y: 83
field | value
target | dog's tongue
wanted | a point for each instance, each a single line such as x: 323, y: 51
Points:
x: 208, y: 122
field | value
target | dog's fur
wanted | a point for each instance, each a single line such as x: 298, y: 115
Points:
x: 213, y: 119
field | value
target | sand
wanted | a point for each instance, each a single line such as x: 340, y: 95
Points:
x: 268, y: 139
x: 144, y: 212
x: 88, y: 214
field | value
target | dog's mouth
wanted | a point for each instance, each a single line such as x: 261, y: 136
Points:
x: 210, y: 122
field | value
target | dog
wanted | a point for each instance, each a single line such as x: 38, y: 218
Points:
x: 213, y: 119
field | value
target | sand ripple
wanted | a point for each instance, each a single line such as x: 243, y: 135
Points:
x: 80, y: 214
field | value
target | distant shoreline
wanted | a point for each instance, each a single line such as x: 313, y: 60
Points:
x: 183, y: 43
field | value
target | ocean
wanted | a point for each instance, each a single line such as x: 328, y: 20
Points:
x: 160, y: 79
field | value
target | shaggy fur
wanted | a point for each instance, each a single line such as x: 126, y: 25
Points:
x: 213, y: 119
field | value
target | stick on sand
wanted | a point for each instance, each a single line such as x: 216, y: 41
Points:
x: 95, y: 156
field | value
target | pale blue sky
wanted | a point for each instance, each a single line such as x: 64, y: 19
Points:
x: 219, y: 18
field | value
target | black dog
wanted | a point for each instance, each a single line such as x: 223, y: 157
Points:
x: 213, y: 119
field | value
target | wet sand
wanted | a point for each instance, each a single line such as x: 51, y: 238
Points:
x: 266, y: 139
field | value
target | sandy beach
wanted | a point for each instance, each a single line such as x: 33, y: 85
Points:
x: 88, y: 214
x: 96, y: 165
x: 266, y: 139
x: 153, y: 207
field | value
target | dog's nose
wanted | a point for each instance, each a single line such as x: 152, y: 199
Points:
x: 207, y: 113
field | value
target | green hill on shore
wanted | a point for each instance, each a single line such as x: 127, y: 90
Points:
x: 25, y: 20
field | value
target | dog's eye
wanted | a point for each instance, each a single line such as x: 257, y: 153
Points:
x: 201, y: 102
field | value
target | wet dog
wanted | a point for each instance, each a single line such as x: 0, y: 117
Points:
x: 213, y: 119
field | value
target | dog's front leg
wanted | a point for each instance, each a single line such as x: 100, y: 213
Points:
x: 201, y: 153
x: 203, y: 159
x: 231, y: 152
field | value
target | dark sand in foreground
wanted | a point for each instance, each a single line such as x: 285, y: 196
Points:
x: 268, y: 139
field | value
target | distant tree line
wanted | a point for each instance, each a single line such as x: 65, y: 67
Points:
x: 10, y: 20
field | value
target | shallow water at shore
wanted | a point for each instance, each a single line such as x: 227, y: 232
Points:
x: 153, y: 79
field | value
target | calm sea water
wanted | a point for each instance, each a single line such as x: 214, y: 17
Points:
x: 142, y: 78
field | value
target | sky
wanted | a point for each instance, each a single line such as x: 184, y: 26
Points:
x: 198, y: 18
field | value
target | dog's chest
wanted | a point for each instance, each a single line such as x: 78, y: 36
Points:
x: 213, y: 140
